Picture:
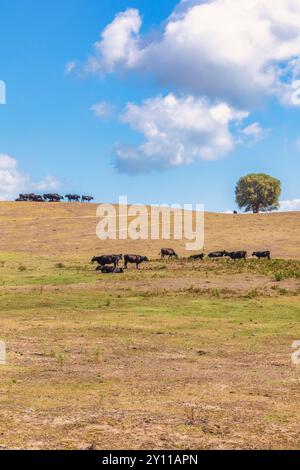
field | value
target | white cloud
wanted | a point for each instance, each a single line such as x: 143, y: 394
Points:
x: 233, y: 52
x: 102, y: 109
x: 254, y: 133
x: 177, y: 131
x: 13, y: 182
x: 48, y: 183
x: 237, y: 51
x: 290, y: 205
x: 118, y: 46
x: 290, y: 93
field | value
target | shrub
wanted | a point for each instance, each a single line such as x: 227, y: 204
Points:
x: 279, y: 276
x: 215, y: 293
x: 60, y: 266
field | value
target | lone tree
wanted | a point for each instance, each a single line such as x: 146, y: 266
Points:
x: 258, y: 192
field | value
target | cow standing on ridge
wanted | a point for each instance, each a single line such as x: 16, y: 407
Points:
x: 53, y: 197
x: 73, y: 197
x: 35, y: 198
x: 87, y: 199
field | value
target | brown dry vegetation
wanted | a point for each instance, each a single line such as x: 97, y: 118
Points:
x: 69, y: 229
x: 180, y: 355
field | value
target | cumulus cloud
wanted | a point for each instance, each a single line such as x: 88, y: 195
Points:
x: 177, y: 131
x: 13, y: 181
x: 290, y: 205
x: 237, y: 51
x: 118, y: 45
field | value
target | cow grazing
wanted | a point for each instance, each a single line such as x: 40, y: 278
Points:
x: 262, y: 254
x: 106, y: 260
x: 87, y: 199
x: 197, y: 257
x: 134, y: 259
x: 109, y: 270
x: 237, y: 255
x: 168, y: 252
x: 217, y: 254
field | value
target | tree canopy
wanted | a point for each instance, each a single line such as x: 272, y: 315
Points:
x: 258, y: 192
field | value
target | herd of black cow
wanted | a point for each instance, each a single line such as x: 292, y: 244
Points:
x: 110, y: 264
x: 53, y: 198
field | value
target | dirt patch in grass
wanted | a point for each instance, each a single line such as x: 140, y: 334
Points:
x: 222, y: 286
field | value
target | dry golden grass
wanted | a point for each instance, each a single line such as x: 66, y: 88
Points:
x: 69, y: 229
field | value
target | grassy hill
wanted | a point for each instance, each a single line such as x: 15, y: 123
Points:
x: 181, y: 354
x: 69, y: 230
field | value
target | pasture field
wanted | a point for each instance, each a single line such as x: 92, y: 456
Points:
x: 181, y: 355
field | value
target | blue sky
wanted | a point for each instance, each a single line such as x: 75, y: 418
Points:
x: 203, y: 111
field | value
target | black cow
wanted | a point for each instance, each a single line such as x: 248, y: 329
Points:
x: 217, y: 254
x: 24, y: 197
x: 53, y: 197
x: 134, y: 259
x: 109, y: 270
x: 35, y: 198
x: 20, y: 199
x: 262, y: 254
x: 56, y: 198
x: 87, y: 199
x: 197, y: 257
x: 168, y: 252
x: 104, y: 260
x: 236, y: 255
x: 73, y: 197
